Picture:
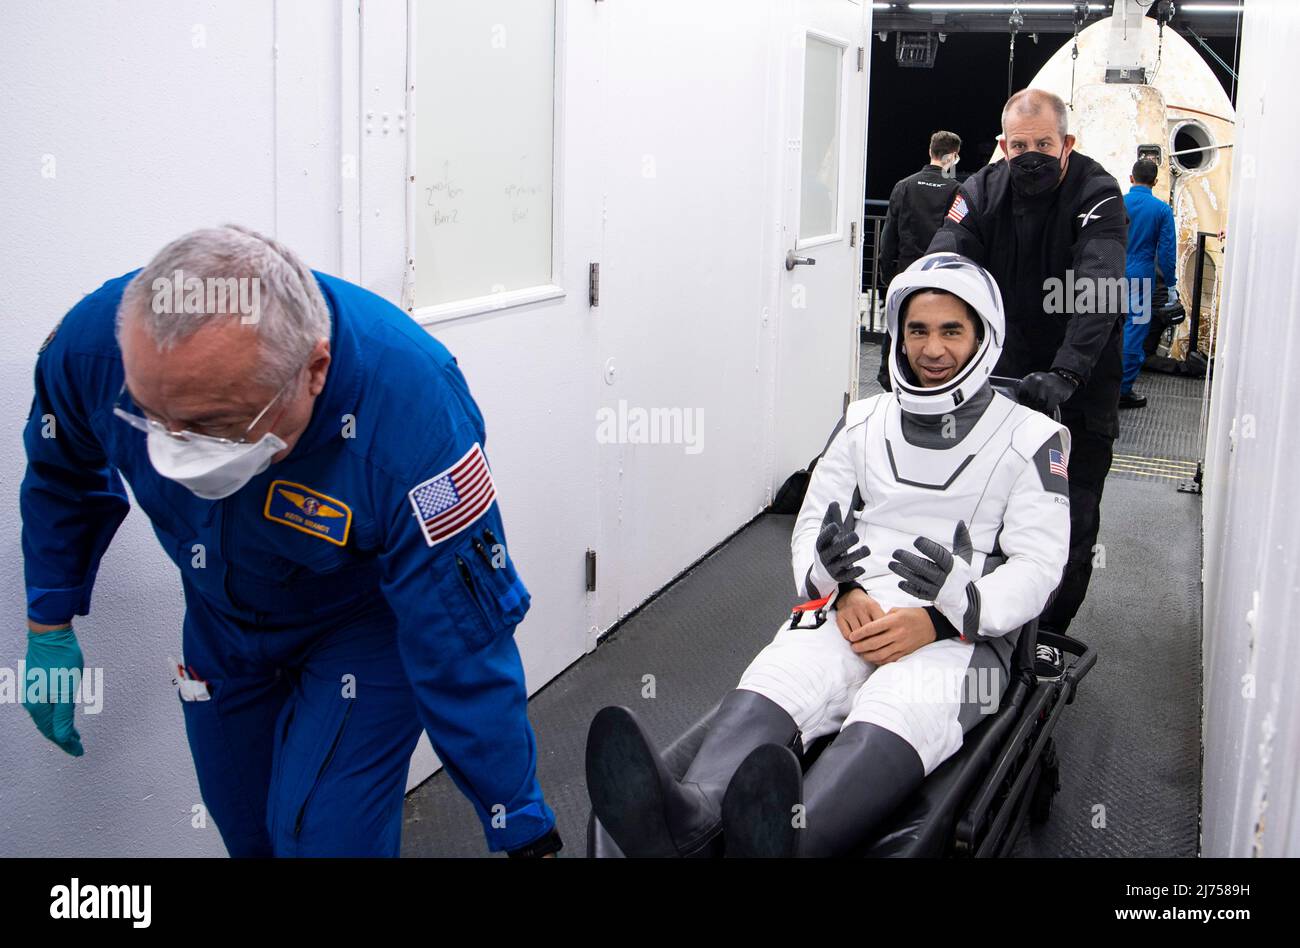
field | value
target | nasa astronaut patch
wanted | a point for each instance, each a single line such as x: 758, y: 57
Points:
x: 308, y: 510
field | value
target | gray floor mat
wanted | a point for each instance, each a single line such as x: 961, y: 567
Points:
x: 1130, y: 743
x: 695, y: 639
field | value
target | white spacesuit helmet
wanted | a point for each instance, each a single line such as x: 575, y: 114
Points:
x: 966, y: 279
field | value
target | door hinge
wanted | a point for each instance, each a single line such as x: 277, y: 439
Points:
x: 853, y: 233
x: 593, y: 285
x: 591, y: 571
x: 862, y: 59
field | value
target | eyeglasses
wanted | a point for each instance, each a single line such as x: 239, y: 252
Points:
x: 147, y: 425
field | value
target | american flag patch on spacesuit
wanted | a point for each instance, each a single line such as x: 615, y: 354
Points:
x: 958, y: 209
x: 449, y: 502
x: 1056, y: 463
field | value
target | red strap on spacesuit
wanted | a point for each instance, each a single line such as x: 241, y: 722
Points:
x: 812, y: 604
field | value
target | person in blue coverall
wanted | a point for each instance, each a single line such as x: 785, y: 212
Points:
x: 312, y: 461
x: 1152, y: 239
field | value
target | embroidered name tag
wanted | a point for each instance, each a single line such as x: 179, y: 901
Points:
x: 314, y: 513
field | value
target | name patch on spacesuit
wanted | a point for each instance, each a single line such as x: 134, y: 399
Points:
x: 308, y: 510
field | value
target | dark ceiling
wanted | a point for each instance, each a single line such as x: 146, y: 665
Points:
x: 965, y: 89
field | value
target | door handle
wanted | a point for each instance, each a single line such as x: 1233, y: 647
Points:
x: 791, y: 261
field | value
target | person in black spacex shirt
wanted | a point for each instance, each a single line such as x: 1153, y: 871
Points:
x: 917, y: 205
x: 1049, y: 223
x: 916, y: 208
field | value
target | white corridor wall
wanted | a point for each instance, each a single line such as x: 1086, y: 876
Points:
x: 1251, y: 780
x: 126, y: 124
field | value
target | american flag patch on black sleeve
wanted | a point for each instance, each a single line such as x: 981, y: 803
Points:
x: 1056, y: 463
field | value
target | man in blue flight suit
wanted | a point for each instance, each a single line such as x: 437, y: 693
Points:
x: 312, y: 461
x: 1152, y: 239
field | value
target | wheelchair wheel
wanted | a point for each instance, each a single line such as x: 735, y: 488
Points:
x: 1049, y: 781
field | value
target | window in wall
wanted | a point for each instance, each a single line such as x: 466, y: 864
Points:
x: 820, y: 160
x: 484, y: 109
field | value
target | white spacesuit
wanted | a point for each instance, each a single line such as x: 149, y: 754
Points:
x: 915, y: 463
x: 958, y: 490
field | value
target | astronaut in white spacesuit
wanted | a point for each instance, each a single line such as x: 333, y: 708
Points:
x: 936, y: 524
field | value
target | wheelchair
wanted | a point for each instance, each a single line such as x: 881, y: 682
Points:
x: 976, y: 802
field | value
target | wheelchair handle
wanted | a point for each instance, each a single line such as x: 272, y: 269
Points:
x: 1011, y: 383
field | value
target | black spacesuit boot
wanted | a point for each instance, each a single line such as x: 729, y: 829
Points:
x: 857, y: 782
x: 638, y: 801
x: 758, y: 811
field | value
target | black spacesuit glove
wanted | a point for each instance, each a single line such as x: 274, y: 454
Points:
x: 1045, y: 391
x: 835, y: 559
x: 944, y: 579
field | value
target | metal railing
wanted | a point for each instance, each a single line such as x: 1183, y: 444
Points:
x: 873, y: 289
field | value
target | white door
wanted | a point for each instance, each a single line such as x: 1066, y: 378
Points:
x: 825, y: 107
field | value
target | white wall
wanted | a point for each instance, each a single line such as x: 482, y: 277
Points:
x: 1251, y: 519
x: 166, y: 116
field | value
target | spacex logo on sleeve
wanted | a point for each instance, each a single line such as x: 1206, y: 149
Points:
x: 1090, y: 215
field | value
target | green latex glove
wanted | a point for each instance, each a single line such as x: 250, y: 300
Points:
x: 53, y: 707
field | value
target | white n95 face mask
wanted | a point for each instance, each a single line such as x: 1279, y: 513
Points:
x: 211, y: 469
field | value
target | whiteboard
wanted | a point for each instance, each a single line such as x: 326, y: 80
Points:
x: 484, y: 124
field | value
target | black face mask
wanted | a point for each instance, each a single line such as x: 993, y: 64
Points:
x: 1034, y: 173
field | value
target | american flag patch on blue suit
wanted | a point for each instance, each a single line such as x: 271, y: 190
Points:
x: 449, y: 502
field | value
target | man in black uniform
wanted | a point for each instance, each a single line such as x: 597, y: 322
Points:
x: 917, y: 205
x: 1049, y: 223
x: 916, y: 208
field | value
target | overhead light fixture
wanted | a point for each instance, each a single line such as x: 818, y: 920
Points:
x: 1209, y: 8
x: 916, y: 50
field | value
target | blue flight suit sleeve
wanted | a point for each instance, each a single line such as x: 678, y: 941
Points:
x: 71, y: 500
x: 1166, y: 245
x: 457, y: 603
